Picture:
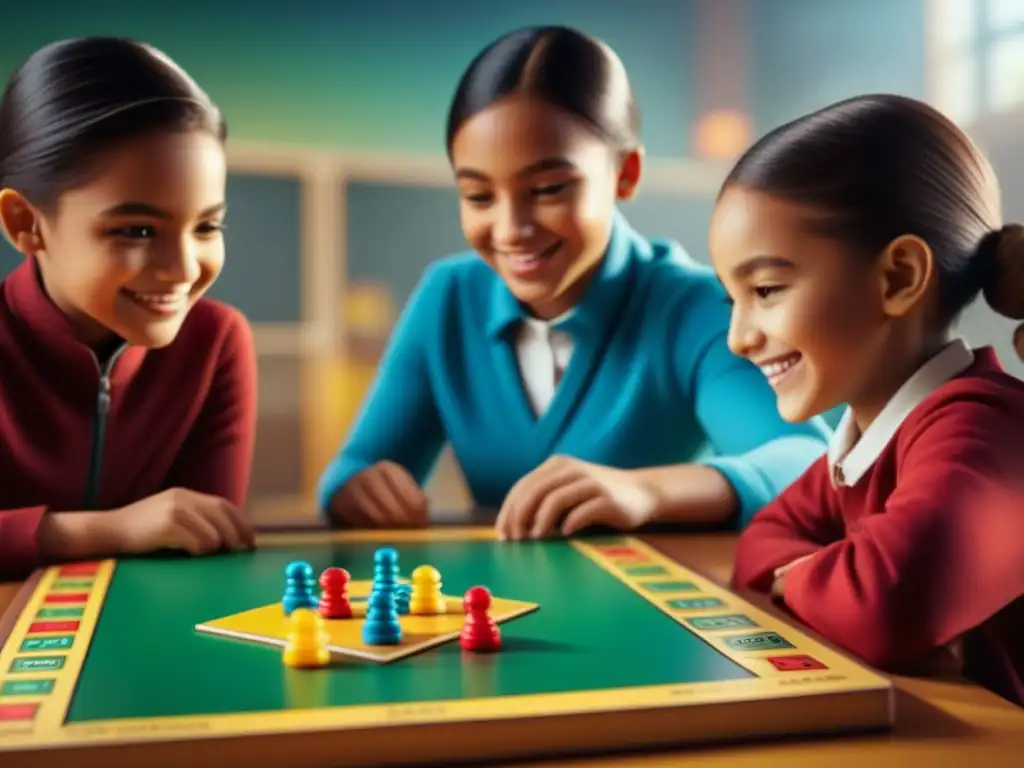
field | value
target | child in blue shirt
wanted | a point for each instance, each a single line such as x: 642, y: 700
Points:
x: 579, y: 370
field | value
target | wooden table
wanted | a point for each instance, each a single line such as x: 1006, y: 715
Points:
x: 938, y: 722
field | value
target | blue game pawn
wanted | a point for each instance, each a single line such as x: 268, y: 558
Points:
x: 402, y: 597
x: 381, y: 626
x: 385, y: 572
x: 300, y: 587
x: 386, y: 556
x: 385, y: 567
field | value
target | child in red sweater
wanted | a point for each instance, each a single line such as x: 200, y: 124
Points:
x: 127, y: 401
x: 849, y: 241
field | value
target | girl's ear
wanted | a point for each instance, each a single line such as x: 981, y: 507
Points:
x: 906, y: 267
x: 1018, y: 341
x: 629, y: 174
x: 20, y: 222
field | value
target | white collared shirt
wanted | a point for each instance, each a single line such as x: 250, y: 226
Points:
x: 851, y: 454
x: 544, y: 353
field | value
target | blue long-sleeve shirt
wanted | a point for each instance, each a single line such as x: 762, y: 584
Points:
x: 651, y: 382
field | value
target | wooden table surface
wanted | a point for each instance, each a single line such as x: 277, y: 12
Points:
x: 940, y: 723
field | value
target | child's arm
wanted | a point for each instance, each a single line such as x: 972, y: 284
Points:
x: 799, y: 523
x: 216, y: 458
x: 399, y: 421
x: 758, y: 452
x: 19, y: 551
x: 31, y: 537
x: 176, y: 518
x: 945, y: 555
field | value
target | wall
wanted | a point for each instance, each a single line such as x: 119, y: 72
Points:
x: 367, y: 76
x: 805, y: 54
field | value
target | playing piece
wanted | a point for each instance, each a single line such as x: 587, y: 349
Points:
x: 426, y: 598
x: 300, y: 587
x: 403, y: 594
x: 386, y: 557
x: 307, y: 643
x: 334, y: 602
x: 385, y: 573
x: 385, y: 567
x: 480, y: 633
x: 382, y: 626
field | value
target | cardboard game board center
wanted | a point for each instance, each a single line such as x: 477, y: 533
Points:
x: 269, y: 625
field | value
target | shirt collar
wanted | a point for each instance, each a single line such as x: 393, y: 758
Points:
x: 539, y: 325
x: 851, y: 454
x: 51, y: 331
x: 599, y: 304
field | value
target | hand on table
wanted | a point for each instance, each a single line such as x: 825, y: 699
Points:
x: 779, y: 584
x: 568, y: 494
x: 382, y: 496
x: 179, y: 518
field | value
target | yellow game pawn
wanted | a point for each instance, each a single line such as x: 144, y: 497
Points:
x: 426, y: 598
x: 307, y: 641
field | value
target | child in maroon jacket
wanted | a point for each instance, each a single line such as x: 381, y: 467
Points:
x: 849, y: 241
x: 127, y: 401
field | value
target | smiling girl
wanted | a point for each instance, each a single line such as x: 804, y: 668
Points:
x: 850, y: 241
x: 579, y: 369
x: 127, y: 400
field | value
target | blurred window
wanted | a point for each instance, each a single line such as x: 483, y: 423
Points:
x: 978, y: 57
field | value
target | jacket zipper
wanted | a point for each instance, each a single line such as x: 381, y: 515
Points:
x: 99, y: 430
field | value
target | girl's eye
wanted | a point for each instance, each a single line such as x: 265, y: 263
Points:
x: 551, y: 189
x: 211, y: 227
x: 136, y: 233
x: 764, y: 291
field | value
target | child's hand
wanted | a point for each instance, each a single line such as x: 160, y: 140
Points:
x: 182, y: 519
x: 382, y: 496
x: 779, y: 582
x: 567, y: 494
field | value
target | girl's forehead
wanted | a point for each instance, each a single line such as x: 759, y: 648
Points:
x: 520, y: 131
x: 173, y: 172
x: 746, y: 220
x: 753, y: 218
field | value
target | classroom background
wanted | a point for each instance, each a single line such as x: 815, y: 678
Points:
x: 340, y: 193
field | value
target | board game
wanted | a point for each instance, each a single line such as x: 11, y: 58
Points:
x: 606, y: 644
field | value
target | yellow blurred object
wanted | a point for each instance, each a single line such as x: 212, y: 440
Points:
x: 722, y: 134
x: 368, y: 309
x: 334, y: 387
x: 333, y: 392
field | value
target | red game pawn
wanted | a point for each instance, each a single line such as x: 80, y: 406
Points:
x: 480, y: 632
x: 334, y: 594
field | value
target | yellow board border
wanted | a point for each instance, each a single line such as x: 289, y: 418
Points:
x: 836, y: 695
x: 53, y: 706
x: 755, y: 661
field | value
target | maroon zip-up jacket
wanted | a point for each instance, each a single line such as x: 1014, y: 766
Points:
x: 75, y: 435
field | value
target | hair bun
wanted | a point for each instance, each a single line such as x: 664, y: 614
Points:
x: 1004, y: 288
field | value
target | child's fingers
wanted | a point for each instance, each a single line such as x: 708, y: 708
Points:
x: 537, y: 486
x: 561, y: 500
x: 591, y: 512
x: 227, y: 521
x: 367, y: 506
x: 386, y: 497
x: 509, y: 509
x: 193, y: 533
x: 411, y: 501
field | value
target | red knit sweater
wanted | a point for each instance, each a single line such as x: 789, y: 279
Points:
x: 75, y: 435
x: 926, y: 549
